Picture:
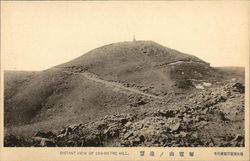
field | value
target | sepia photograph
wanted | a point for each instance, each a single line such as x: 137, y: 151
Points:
x: 125, y: 74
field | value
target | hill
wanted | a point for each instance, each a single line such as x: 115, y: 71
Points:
x: 115, y: 78
x: 143, y: 64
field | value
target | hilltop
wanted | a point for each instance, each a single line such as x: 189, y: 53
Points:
x: 142, y: 63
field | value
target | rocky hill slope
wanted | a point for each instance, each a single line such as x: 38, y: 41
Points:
x: 210, y: 118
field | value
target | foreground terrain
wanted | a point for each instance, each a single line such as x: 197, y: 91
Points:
x: 212, y: 117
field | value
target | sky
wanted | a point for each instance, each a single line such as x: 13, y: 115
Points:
x: 40, y: 35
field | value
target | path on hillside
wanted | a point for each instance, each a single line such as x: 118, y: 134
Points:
x: 94, y: 78
x: 181, y: 61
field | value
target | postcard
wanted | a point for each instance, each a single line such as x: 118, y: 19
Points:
x: 124, y: 80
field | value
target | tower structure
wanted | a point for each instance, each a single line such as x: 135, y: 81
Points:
x: 134, y: 40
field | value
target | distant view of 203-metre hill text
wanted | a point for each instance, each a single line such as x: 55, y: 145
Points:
x: 126, y: 94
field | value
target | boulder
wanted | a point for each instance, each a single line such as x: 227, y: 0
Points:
x: 175, y: 127
x: 238, y: 87
x: 127, y: 135
x: 44, y: 142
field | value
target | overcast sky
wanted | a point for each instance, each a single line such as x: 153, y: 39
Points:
x: 39, y: 35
